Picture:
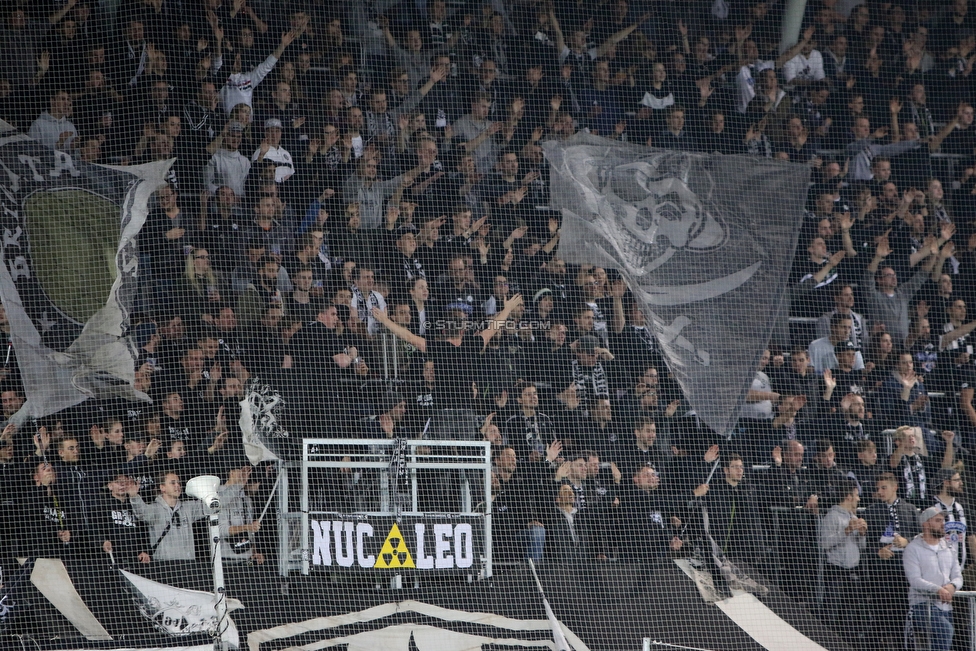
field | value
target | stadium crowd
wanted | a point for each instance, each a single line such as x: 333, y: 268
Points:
x: 360, y: 187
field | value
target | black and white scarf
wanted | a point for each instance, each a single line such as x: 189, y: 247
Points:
x: 955, y: 527
x: 591, y: 383
x: 854, y: 432
x: 913, y: 472
x: 364, y: 307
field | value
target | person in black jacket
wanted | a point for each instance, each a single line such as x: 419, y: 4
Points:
x: 827, y: 477
x: 517, y: 531
x: 51, y: 531
x: 892, y: 524
x: 119, y: 532
x: 651, y: 515
x: 734, y: 520
x: 792, y: 493
x: 567, y: 535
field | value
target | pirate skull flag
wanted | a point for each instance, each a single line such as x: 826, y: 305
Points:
x: 69, y: 271
x: 705, y: 243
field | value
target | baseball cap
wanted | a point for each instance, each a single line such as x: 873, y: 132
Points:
x: 272, y: 122
x: 928, y: 514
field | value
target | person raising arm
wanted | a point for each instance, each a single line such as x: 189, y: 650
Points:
x: 421, y: 343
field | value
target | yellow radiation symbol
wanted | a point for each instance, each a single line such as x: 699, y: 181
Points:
x: 394, y: 553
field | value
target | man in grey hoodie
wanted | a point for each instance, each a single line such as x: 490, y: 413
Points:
x: 842, y: 537
x: 170, y: 522
x: 934, y: 576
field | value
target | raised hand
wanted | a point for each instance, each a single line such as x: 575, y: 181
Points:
x: 711, y: 455
x: 846, y: 221
x: 947, y: 231
x: 908, y: 380
x: 553, y: 450
x: 829, y: 380
x: 514, y: 301
x: 883, y: 248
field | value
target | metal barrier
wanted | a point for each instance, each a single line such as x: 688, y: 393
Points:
x: 778, y: 552
x: 970, y: 596
x: 371, y: 460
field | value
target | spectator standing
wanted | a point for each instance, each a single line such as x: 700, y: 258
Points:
x: 887, y: 302
x: 455, y: 357
x: 823, y: 351
x: 54, y: 128
x: 934, y: 576
x: 479, y: 134
x: 842, y: 538
x: 958, y: 536
x: 892, y: 524
x: 734, y: 521
x: 119, y: 532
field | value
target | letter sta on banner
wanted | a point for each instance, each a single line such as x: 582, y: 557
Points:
x: 455, y: 543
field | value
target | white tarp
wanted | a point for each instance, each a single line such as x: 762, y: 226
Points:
x: 765, y: 626
x: 99, y: 362
x: 51, y: 578
x: 396, y: 636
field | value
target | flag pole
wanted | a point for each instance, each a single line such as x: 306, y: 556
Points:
x: 557, y: 631
x: 271, y: 496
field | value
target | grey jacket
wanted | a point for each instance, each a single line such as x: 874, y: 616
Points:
x: 928, y: 569
x: 862, y: 152
x: 892, y: 310
x: 235, y: 509
x: 372, y: 199
x: 177, y: 544
x: 843, y: 549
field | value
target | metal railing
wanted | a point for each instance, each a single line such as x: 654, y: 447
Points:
x: 373, y: 456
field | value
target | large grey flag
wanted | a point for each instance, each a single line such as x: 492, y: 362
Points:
x: 68, y: 277
x: 705, y: 243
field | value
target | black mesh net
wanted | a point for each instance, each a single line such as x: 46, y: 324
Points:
x: 449, y: 325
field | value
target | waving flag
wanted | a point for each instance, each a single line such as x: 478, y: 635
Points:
x: 70, y: 267
x: 705, y: 243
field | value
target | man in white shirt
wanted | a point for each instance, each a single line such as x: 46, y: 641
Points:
x: 52, y: 128
x: 806, y: 67
x: 271, y: 150
x: 822, y: 352
x: 228, y: 166
x: 240, y: 84
x: 746, y: 79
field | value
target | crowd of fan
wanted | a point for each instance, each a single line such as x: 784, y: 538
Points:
x: 355, y: 216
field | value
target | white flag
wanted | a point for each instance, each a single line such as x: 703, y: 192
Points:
x: 260, y: 421
x: 182, y: 612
